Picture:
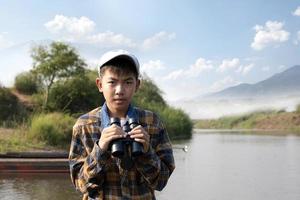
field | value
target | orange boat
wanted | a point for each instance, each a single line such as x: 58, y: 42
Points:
x: 34, y: 162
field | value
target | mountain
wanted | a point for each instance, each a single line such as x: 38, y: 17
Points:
x: 279, y: 92
x: 286, y: 83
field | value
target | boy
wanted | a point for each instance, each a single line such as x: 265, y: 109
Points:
x: 94, y: 170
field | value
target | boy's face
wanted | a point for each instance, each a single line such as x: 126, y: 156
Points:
x: 117, y: 90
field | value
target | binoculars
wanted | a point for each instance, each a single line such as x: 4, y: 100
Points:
x: 126, y: 148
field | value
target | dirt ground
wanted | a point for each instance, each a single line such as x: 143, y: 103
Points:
x: 282, y: 121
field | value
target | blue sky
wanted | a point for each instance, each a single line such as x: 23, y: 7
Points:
x: 189, y: 48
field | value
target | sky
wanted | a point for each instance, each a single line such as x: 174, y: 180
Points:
x: 188, y: 48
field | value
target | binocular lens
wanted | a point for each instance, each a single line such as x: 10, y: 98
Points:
x: 117, y: 148
x: 137, y: 149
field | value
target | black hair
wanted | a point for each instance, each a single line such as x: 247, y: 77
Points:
x: 120, y: 66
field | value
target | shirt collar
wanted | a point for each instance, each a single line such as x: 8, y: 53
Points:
x: 105, y: 118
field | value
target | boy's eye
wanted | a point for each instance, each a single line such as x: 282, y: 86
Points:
x: 111, y: 82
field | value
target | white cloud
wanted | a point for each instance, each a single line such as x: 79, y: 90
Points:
x: 80, y: 29
x: 109, y: 39
x: 245, y: 69
x: 152, y: 65
x: 200, y: 65
x: 192, y: 71
x: 265, y: 69
x: 157, y: 39
x: 271, y: 33
x: 228, y: 64
x: 175, y: 74
x: 70, y: 27
x: 297, y: 11
x: 4, y: 43
x: 222, y: 84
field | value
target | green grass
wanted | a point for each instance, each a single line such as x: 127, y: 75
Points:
x: 54, y: 129
x: 253, y: 120
x: 43, y: 132
x: 14, y: 140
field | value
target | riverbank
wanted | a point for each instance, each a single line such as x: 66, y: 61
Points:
x: 15, y: 140
x: 276, y: 121
x: 263, y: 123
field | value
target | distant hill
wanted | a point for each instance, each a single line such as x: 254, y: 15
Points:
x: 286, y: 83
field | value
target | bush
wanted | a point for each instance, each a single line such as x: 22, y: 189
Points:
x: 75, y: 95
x: 11, y: 110
x: 26, y: 83
x: 178, y: 123
x: 148, y: 95
x: 53, y: 129
x: 38, y: 102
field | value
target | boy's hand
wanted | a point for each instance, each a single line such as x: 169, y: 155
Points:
x: 108, y: 134
x: 140, y: 135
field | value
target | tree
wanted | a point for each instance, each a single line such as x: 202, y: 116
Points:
x: 149, y: 94
x: 76, y: 95
x: 11, y: 110
x: 26, y: 83
x: 55, y: 62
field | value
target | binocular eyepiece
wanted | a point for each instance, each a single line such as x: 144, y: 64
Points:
x: 126, y: 148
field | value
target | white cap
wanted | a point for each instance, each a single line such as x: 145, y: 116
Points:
x: 108, y: 56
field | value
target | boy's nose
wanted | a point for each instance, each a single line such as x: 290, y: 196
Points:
x: 119, y: 89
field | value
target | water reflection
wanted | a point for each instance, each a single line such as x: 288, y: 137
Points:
x: 37, y: 187
x: 231, y: 166
x: 218, y: 165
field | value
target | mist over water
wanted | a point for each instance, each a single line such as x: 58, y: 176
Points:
x: 215, y: 108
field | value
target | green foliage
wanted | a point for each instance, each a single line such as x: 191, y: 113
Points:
x: 53, y: 129
x: 76, y: 95
x: 66, y: 86
x: 8, y: 103
x: 221, y: 123
x: 247, y: 121
x: 37, y: 100
x: 148, y: 94
x: 178, y: 123
x: 26, y: 83
x: 55, y: 62
x: 11, y: 110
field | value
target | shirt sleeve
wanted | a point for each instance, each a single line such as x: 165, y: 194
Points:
x: 86, y: 166
x: 157, y: 165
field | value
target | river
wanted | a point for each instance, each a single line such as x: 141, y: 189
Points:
x: 218, y: 166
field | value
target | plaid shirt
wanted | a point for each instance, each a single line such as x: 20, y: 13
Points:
x: 98, y: 175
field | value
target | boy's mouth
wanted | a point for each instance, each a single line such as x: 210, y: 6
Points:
x: 119, y: 100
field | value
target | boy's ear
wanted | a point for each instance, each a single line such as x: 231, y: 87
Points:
x: 138, y: 83
x: 99, y: 84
